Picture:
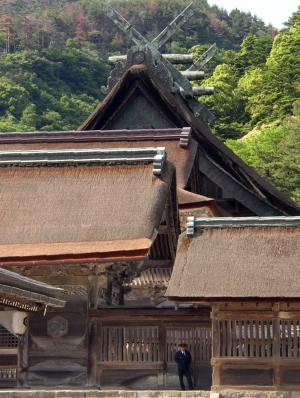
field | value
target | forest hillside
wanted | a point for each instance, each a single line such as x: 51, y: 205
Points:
x: 53, y: 61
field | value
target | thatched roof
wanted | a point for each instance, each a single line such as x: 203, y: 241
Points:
x: 191, y: 204
x: 236, y: 261
x: 186, y: 198
x: 81, y: 207
x: 178, y: 112
x: 26, y: 293
x: 180, y: 147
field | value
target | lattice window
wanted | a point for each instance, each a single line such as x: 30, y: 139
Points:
x: 197, y: 339
x: 7, y: 339
x: 8, y: 373
x: 246, y: 338
x: 129, y: 344
x: 289, y: 338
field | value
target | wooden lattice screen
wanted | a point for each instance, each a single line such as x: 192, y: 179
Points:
x: 129, y: 344
x: 8, y: 370
x: 141, y: 343
x: 290, y: 338
x: 197, y: 339
x: 7, y: 339
x: 257, y: 338
x: 245, y: 338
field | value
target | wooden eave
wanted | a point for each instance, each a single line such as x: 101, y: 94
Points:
x: 240, y: 299
x: 74, y: 252
x: 23, y: 299
x: 120, y: 314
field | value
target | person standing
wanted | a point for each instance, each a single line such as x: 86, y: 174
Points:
x: 183, y: 359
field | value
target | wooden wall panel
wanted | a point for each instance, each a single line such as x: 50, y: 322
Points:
x: 246, y: 377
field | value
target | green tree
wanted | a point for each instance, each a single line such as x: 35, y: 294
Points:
x: 29, y: 119
x: 225, y: 104
x: 13, y: 97
x: 274, y: 151
x: 254, y: 51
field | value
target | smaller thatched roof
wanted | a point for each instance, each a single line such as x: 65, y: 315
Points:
x: 81, y: 204
x: 27, y: 294
x: 225, y: 258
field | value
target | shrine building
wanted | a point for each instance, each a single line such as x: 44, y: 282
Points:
x: 154, y: 233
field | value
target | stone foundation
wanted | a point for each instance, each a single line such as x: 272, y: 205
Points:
x: 102, y: 394
x: 144, y: 394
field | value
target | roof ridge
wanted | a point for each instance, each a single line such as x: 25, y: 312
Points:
x: 181, y: 134
x: 194, y: 223
x: 155, y: 155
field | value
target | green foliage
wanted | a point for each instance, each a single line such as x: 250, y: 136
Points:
x: 42, y: 24
x: 225, y: 104
x: 274, y: 151
x: 254, y: 51
x: 50, y: 89
x: 256, y: 89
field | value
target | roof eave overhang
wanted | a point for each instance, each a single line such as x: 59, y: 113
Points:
x: 68, y: 253
x: 210, y: 300
x: 16, y: 297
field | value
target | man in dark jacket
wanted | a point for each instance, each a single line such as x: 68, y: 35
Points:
x: 183, y: 359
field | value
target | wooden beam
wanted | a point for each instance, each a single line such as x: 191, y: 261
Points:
x: 173, y: 58
x: 233, y: 189
x: 115, y: 314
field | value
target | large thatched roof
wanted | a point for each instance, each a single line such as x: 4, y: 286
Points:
x: 175, y: 111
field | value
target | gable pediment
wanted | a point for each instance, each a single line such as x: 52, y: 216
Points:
x: 138, y: 111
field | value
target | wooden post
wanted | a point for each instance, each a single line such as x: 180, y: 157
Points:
x: 93, y: 353
x: 162, y: 338
x: 22, y: 358
x: 276, y: 345
x: 215, y: 348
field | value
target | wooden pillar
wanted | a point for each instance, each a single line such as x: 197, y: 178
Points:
x: 93, y: 353
x: 276, y: 345
x: 22, y: 358
x: 162, y: 336
x: 215, y: 349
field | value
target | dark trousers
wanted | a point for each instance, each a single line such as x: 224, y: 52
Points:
x: 187, y: 374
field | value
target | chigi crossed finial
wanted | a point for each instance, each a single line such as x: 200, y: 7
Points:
x: 148, y: 52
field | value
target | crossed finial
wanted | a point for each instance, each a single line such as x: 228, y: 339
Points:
x: 181, y: 79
